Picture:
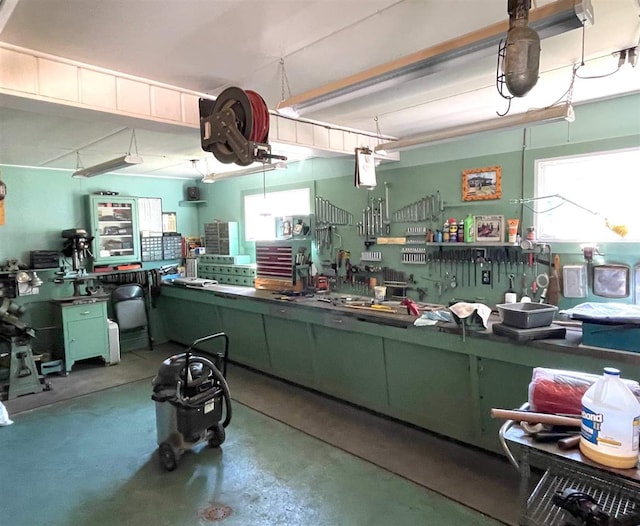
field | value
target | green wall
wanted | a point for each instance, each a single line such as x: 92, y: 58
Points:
x: 603, y: 125
x: 40, y: 203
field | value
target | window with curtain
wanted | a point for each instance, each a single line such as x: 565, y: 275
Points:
x: 592, y: 197
x: 261, y: 211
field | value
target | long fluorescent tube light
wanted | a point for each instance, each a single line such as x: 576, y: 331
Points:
x: 520, y: 120
x: 213, y: 177
x: 549, y: 20
x: 109, y: 166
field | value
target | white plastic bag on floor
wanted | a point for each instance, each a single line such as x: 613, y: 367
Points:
x: 4, y: 416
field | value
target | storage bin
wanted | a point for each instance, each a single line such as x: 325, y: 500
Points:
x: 624, y: 337
x: 526, y: 315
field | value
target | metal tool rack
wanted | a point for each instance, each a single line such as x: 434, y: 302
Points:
x: 617, y: 491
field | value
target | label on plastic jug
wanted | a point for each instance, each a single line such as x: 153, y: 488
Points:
x: 600, y: 431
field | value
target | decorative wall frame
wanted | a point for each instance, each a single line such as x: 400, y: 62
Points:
x: 479, y: 184
x: 488, y: 229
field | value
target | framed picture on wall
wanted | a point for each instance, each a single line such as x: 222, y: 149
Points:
x: 482, y: 183
x: 489, y: 229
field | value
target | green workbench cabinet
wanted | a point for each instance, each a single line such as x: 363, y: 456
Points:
x: 114, y: 226
x: 501, y: 385
x: 430, y: 387
x: 185, y: 321
x: 431, y: 378
x: 348, y: 364
x: 247, y: 341
x: 85, y: 332
x: 288, y: 341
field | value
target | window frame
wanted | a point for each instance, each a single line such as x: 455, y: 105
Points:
x: 274, y: 190
x: 538, y: 194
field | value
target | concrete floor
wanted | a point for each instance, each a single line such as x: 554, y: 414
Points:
x: 291, y: 457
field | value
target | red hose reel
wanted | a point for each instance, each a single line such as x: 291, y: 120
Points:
x: 260, y: 131
x: 235, y: 127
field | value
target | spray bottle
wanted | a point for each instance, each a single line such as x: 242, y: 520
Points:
x: 468, y: 229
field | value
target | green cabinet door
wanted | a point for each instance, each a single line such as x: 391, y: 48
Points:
x: 501, y: 385
x: 184, y: 321
x: 247, y: 342
x: 85, y: 332
x: 114, y: 226
x: 350, y: 365
x: 289, y: 348
x: 430, y: 387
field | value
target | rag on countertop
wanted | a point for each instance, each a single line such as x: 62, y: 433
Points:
x: 464, y: 310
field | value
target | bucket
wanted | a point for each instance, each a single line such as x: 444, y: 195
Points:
x: 610, y: 422
x: 380, y: 293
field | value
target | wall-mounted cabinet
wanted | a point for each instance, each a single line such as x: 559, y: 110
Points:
x: 114, y: 225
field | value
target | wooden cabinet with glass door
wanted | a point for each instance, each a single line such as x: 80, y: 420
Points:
x: 114, y: 225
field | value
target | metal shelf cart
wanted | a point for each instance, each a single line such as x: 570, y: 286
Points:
x: 617, y: 491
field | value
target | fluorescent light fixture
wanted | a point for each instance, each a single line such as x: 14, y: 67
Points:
x: 288, y: 111
x: 520, y: 120
x: 113, y: 165
x: 213, y: 177
x: 549, y: 20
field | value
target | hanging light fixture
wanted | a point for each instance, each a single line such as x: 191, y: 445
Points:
x: 552, y: 19
x: 520, y: 120
x: 213, y: 177
x: 112, y: 165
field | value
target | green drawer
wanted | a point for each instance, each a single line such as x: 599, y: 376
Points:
x: 84, y: 311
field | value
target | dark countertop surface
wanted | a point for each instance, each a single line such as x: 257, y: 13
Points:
x: 400, y: 318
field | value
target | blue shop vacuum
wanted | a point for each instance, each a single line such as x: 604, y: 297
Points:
x: 191, y: 396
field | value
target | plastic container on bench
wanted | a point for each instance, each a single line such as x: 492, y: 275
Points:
x: 526, y: 315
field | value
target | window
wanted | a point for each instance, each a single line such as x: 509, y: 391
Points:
x: 577, y: 197
x: 261, y: 211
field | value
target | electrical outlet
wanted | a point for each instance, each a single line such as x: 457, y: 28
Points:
x: 486, y: 277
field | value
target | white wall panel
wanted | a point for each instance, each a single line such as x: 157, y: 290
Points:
x: 18, y: 71
x: 165, y: 103
x: 304, y: 133
x: 336, y: 139
x: 190, y: 111
x: 133, y: 97
x: 58, y: 80
x: 321, y: 137
x: 97, y: 89
x: 286, y: 130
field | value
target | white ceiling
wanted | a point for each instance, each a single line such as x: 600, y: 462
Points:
x: 207, y: 45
